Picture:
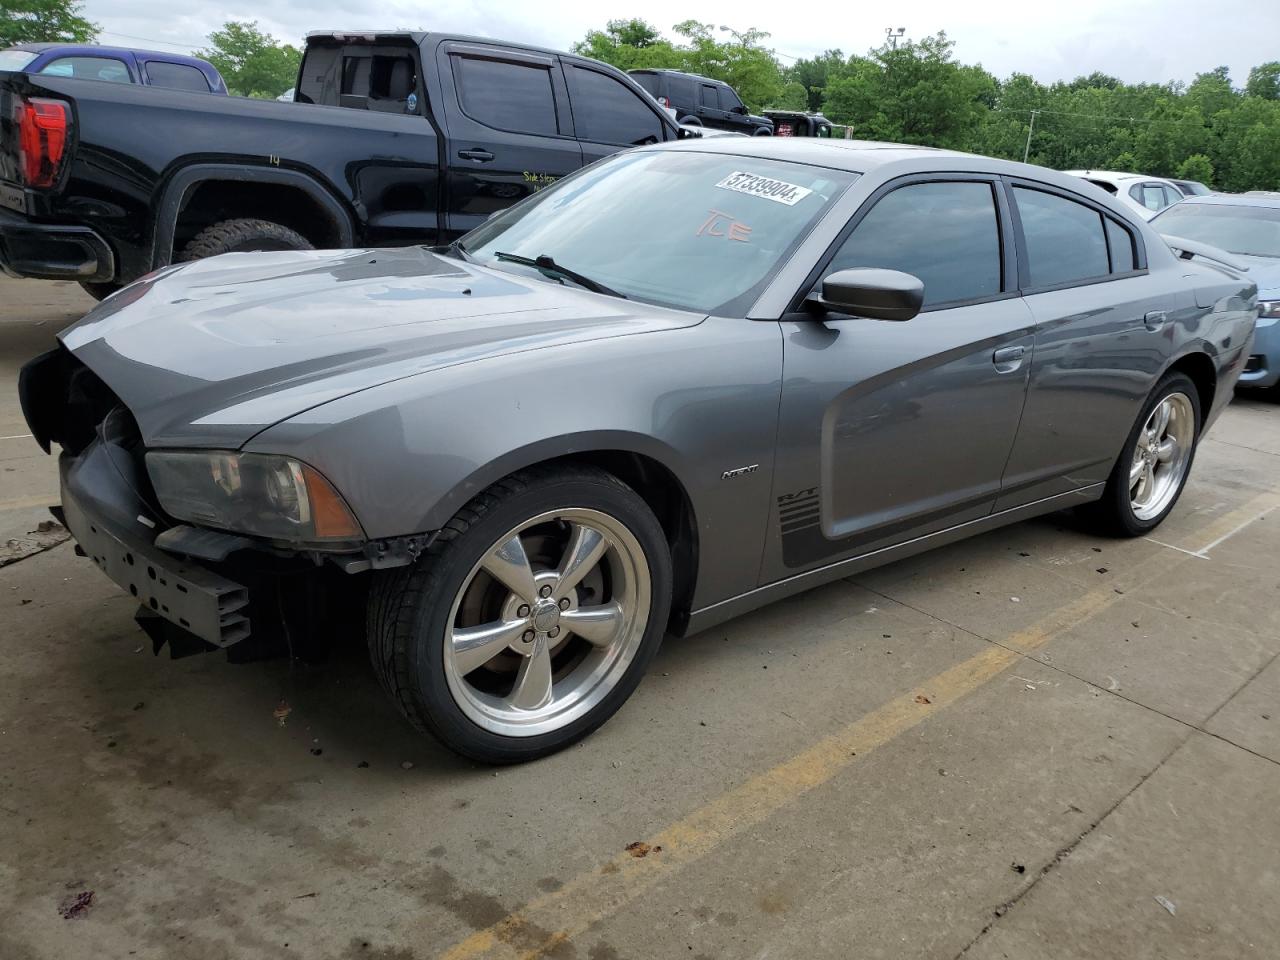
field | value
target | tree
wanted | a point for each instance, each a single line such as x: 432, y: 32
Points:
x: 630, y: 45
x: 42, y: 21
x: 253, y: 63
x: 741, y: 61
x: 1196, y: 167
x: 792, y: 96
x: 1264, y: 81
x: 814, y: 75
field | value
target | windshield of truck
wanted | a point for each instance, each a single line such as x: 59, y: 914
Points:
x: 1236, y: 228
x: 696, y: 231
x: 15, y: 59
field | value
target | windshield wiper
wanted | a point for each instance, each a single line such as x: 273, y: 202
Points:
x: 552, y: 269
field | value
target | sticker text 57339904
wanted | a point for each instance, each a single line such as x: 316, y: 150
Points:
x: 779, y: 191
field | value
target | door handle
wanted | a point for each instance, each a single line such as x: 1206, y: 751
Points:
x: 1155, y: 320
x: 1008, y: 359
x: 478, y: 154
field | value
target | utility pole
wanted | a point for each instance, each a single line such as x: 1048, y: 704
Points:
x: 892, y: 35
x: 1027, y: 152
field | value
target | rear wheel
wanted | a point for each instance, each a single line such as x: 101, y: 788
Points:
x: 1153, y: 467
x: 243, y: 235
x: 530, y: 619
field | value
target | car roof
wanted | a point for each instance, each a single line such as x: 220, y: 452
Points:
x: 678, y: 73
x: 1113, y: 175
x: 96, y: 49
x: 1234, y: 200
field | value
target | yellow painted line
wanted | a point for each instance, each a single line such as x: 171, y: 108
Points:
x: 25, y: 503
x: 535, y: 930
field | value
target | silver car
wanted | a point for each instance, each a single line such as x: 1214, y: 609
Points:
x: 680, y: 384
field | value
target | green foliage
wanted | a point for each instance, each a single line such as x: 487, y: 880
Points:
x: 253, y: 63
x: 919, y: 92
x: 1196, y: 167
x: 913, y: 93
x: 41, y: 21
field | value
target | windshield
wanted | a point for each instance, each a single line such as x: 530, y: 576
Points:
x: 1251, y: 231
x: 15, y: 59
x: 696, y: 231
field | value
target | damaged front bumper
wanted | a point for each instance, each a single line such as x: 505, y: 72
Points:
x: 115, y: 527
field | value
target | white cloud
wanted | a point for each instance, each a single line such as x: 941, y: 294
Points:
x: 1151, y: 40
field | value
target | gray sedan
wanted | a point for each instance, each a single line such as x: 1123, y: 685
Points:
x: 680, y: 384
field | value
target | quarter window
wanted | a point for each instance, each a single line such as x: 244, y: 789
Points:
x: 1120, y: 243
x: 1065, y: 240
x: 1150, y: 195
x: 608, y: 111
x: 509, y: 96
x: 176, y: 76
x: 945, y: 233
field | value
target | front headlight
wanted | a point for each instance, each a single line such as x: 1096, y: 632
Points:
x: 259, y: 494
x: 1268, y: 308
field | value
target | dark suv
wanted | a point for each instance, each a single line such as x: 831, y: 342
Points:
x: 701, y: 100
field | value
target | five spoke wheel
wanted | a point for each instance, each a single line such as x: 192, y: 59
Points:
x: 1161, y: 456
x: 546, y: 621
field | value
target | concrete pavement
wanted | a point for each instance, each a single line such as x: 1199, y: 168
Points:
x: 1008, y: 748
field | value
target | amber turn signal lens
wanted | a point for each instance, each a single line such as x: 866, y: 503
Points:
x: 331, y: 518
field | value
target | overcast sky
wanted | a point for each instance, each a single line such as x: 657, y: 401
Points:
x: 1135, y: 40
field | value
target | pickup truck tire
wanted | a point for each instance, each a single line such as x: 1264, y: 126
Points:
x: 240, y: 236
x: 100, y: 291
x: 536, y: 685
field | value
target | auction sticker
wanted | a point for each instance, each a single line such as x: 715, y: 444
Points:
x: 779, y: 191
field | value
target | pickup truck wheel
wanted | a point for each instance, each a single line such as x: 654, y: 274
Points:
x: 1147, y: 480
x: 99, y: 291
x: 531, y: 617
x: 239, y: 236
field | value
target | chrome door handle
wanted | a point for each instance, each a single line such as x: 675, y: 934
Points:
x: 1155, y: 320
x: 1008, y: 359
x: 478, y: 154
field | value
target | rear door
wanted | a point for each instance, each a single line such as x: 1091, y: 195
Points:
x: 398, y: 192
x: 1103, y: 333
x: 709, y: 109
x: 609, y: 115
x: 507, y: 126
x: 891, y: 431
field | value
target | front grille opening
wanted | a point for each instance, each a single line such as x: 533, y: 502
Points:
x: 1253, y: 364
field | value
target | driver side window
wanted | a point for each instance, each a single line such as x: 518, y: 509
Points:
x: 946, y: 233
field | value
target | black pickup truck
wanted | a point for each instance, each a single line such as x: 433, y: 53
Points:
x: 395, y: 138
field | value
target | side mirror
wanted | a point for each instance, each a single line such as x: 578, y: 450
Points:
x: 740, y: 109
x: 872, y: 292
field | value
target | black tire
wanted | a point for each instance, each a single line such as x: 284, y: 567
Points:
x: 690, y: 120
x: 762, y: 132
x: 1113, y: 515
x: 99, y: 291
x: 409, y: 608
x: 240, y: 236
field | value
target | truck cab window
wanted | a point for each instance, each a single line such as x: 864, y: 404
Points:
x: 517, y: 97
x: 608, y: 111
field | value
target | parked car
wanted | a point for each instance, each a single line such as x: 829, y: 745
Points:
x: 680, y: 384
x: 798, y: 123
x: 702, y: 101
x: 1248, y: 227
x: 85, y: 61
x: 438, y: 133
x: 1145, y: 195
x: 1192, y: 188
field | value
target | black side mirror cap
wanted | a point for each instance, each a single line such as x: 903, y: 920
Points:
x: 871, y: 292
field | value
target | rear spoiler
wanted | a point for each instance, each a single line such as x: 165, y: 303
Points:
x: 1186, y: 249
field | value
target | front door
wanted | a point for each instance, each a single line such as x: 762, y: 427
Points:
x: 508, y: 129
x: 889, y: 431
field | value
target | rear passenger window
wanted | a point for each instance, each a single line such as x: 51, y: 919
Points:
x: 709, y: 98
x: 1065, y: 239
x: 945, y: 233
x: 89, y: 68
x: 608, y: 111
x: 509, y: 96
x: 1120, y: 243
x: 176, y: 76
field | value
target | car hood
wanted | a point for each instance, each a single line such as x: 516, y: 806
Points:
x: 210, y: 353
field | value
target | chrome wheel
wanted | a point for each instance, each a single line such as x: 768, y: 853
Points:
x: 547, y: 622
x: 1161, y: 456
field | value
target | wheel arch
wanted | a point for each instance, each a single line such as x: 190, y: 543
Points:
x: 1199, y: 366
x: 295, y: 199
x: 645, y: 465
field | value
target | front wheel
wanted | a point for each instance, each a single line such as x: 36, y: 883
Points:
x: 530, y: 619
x: 1153, y: 467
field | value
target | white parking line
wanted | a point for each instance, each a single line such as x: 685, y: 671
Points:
x: 1203, y: 552
x: 18, y: 436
